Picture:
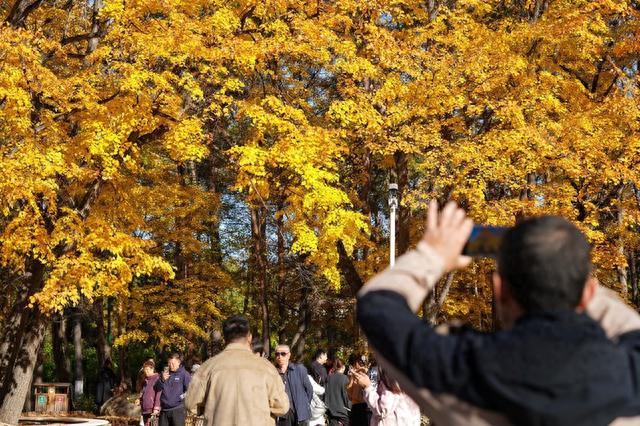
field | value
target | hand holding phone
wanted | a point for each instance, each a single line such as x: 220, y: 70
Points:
x: 484, y: 241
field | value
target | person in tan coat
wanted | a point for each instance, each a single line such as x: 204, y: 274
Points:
x: 236, y: 387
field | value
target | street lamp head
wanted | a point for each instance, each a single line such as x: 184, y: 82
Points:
x: 393, y: 195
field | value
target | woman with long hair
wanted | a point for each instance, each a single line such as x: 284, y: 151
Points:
x: 389, y: 405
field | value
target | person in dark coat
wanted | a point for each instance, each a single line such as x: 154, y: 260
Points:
x: 298, y: 387
x: 567, y: 351
x: 336, y: 398
x: 318, y: 370
x: 173, y: 384
x: 106, y: 382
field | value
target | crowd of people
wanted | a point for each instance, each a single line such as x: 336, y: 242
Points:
x: 240, y: 386
x: 565, y: 351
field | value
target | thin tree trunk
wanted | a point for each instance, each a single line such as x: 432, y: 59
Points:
x: 633, y: 275
x: 442, y: 296
x: 258, y: 230
x: 404, y: 213
x: 103, y: 347
x: 109, y: 335
x: 95, y: 27
x: 622, y: 269
x: 77, y: 346
x: 122, y: 351
x: 298, y: 342
x: 281, y: 275
x: 60, y: 356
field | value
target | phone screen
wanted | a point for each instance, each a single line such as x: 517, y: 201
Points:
x: 484, y: 241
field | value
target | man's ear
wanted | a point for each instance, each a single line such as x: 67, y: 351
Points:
x: 588, y: 292
x: 498, y: 291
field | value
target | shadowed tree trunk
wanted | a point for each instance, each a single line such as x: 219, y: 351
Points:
x: 298, y: 341
x: 22, y: 337
x: 103, y: 348
x: 281, y: 275
x: 258, y: 235
x: 78, y: 387
x: 60, y: 356
x: 622, y: 269
x: 404, y: 213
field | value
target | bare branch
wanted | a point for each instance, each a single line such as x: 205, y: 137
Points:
x: 20, y: 11
x: 76, y: 38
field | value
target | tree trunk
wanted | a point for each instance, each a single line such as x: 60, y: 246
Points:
x: 633, y: 275
x: 21, y: 340
x: 441, y: 297
x: 103, y: 348
x: 348, y: 269
x: 20, y: 11
x: 122, y: 350
x: 298, y: 342
x: 622, y: 269
x: 258, y: 231
x: 78, y: 388
x: 36, y: 378
x: 15, y: 390
x: 60, y: 356
x: 404, y: 213
x: 95, y: 27
x: 281, y: 276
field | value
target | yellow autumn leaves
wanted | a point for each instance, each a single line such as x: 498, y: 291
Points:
x: 512, y: 108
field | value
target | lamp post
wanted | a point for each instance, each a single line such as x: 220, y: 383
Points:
x: 393, y: 206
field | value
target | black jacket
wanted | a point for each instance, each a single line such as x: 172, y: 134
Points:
x: 335, y: 396
x: 318, y: 372
x: 555, y: 368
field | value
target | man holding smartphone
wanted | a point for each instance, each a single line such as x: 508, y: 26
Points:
x: 173, y: 384
x: 569, y: 351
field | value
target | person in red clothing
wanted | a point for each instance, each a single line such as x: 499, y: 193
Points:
x: 149, y: 397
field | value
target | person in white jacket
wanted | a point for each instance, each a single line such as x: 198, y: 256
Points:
x: 317, y: 406
x: 388, y: 404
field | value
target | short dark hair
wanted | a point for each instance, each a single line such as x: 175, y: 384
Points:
x: 234, y: 328
x: 545, y: 262
x: 257, y: 347
x: 176, y: 355
x: 357, y: 358
x: 318, y: 353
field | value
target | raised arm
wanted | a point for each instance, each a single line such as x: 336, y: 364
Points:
x: 615, y: 316
x: 416, y: 272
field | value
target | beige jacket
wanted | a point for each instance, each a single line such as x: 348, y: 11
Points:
x: 414, y: 277
x: 237, y: 388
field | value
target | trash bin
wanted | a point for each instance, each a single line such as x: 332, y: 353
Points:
x: 52, y: 398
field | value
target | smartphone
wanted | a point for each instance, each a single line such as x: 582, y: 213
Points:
x: 484, y: 241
